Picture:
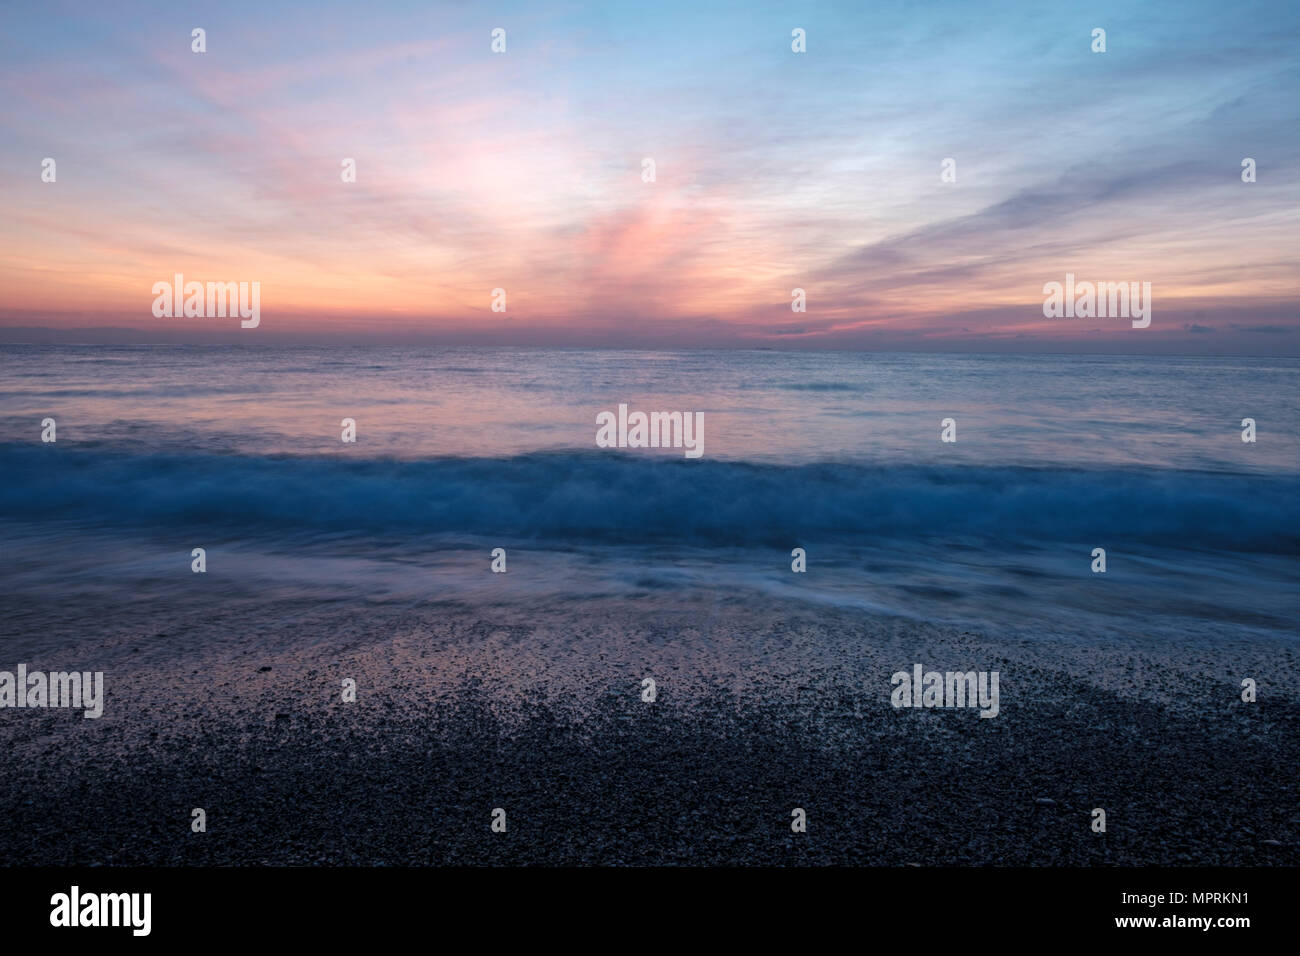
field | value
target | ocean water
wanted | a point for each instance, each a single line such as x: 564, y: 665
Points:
x: 162, y: 449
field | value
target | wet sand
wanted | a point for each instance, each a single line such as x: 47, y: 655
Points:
x: 762, y: 706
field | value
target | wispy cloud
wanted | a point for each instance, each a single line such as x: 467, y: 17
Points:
x: 774, y: 170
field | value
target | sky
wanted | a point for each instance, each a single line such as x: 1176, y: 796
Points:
x: 774, y: 170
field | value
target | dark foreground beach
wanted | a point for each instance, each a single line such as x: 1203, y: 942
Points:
x: 762, y: 707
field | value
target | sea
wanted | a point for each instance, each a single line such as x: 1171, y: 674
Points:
x: 160, y: 450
